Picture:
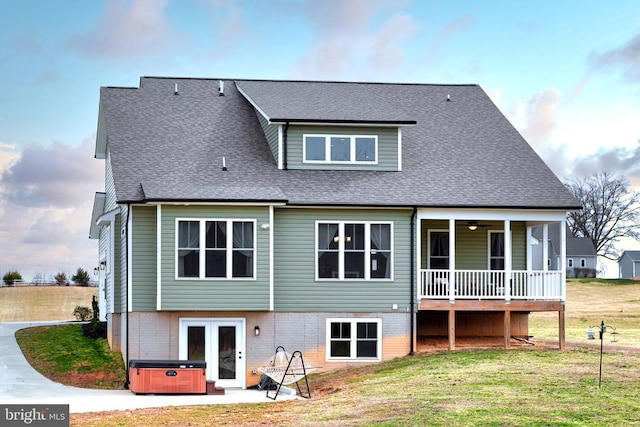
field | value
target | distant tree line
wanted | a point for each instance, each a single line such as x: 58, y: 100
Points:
x: 80, y: 278
x: 610, y: 211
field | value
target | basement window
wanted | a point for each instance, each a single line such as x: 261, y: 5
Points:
x: 354, y: 339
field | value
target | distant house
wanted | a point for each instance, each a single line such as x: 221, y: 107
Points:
x: 629, y: 265
x: 350, y: 221
x: 581, y: 258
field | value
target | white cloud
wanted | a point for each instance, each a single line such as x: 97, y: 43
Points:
x: 541, y: 117
x: 46, y: 196
x: 354, y: 39
x: 386, y: 50
x: 58, y: 175
x: 127, y: 29
x: 626, y: 58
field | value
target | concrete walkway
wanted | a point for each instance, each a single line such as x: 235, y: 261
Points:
x: 20, y: 383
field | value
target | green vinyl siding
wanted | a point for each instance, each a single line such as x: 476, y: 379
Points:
x: 271, y: 133
x: 143, y: 258
x: 214, y: 294
x: 296, y: 288
x: 519, y: 245
x: 117, y: 267
x: 387, y: 147
x: 472, y: 246
x: 121, y: 286
x: 109, y: 186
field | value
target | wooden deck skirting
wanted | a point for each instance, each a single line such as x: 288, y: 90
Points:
x: 496, y: 306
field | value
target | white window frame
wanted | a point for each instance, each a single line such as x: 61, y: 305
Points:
x: 229, y: 248
x: 435, y: 230
x: 327, y: 149
x: 583, y: 263
x: 570, y: 262
x: 367, y: 251
x: 489, y: 257
x: 354, y: 339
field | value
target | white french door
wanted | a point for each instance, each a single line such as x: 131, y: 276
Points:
x: 220, y: 343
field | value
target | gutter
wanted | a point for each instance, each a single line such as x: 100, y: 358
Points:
x: 412, y: 290
x: 284, y: 144
x: 126, y: 381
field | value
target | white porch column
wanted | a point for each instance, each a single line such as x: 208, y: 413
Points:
x: 563, y: 260
x: 452, y: 259
x: 545, y: 247
x: 508, y: 256
x: 418, y: 266
x: 529, y: 249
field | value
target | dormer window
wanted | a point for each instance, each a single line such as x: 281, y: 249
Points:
x: 352, y: 149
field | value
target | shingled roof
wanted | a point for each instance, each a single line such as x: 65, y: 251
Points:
x: 460, y: 152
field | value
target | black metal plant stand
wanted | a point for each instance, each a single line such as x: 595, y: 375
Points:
x: 604, y: 328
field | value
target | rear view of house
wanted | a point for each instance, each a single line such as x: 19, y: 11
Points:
x: 629, y: 265
x: 350, y: 221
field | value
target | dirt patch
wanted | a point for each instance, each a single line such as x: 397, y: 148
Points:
x: 432, y: 344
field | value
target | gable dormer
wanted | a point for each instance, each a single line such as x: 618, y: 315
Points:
x: 329, y: 125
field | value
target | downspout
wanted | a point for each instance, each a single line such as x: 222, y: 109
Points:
x: 412, y: 291
x: 284, y: 145
x: 126, y: 292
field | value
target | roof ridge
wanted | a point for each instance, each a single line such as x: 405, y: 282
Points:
x: 312, y: 81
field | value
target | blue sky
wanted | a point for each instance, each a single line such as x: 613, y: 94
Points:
x: 567, y: 75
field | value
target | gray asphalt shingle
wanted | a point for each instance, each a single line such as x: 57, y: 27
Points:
x: 461, y: 153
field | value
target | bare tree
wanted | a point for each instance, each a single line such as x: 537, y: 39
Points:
x: 609, y: 211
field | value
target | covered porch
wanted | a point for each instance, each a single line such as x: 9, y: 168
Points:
x: 477, y: 262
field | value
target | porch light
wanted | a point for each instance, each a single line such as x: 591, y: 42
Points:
x: 256, y: 330
x: 473, y: 226
x: 95, y: 271
x: 103, y: 265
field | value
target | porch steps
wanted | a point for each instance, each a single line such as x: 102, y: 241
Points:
x: 213, y: 389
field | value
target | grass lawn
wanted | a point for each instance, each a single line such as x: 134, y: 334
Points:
x: 589, y: 302
x: 531, y: 385
x: 63, y: 354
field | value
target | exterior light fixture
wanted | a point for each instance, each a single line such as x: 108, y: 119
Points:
x: 103, y: 265
x: 473, y: 226
x: 264, y: 226
x: 95, y: 271
x: 256, y: 331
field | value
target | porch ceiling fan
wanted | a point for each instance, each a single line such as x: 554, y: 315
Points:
x: 474, y: 225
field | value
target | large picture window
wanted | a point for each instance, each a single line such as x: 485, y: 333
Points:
x: 354, y: 250
x: 215, y: 249
x: 354, y: 339
x: 340, y: 148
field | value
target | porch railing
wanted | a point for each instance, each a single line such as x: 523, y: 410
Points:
x: 485, y: 284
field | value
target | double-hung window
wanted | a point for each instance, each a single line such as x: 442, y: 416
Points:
x: 354, y: 339
x: 439, y: 250
x: 340, y: 148
x: 215, y: 249
x: 354, y: 250
x: 496, y: 250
